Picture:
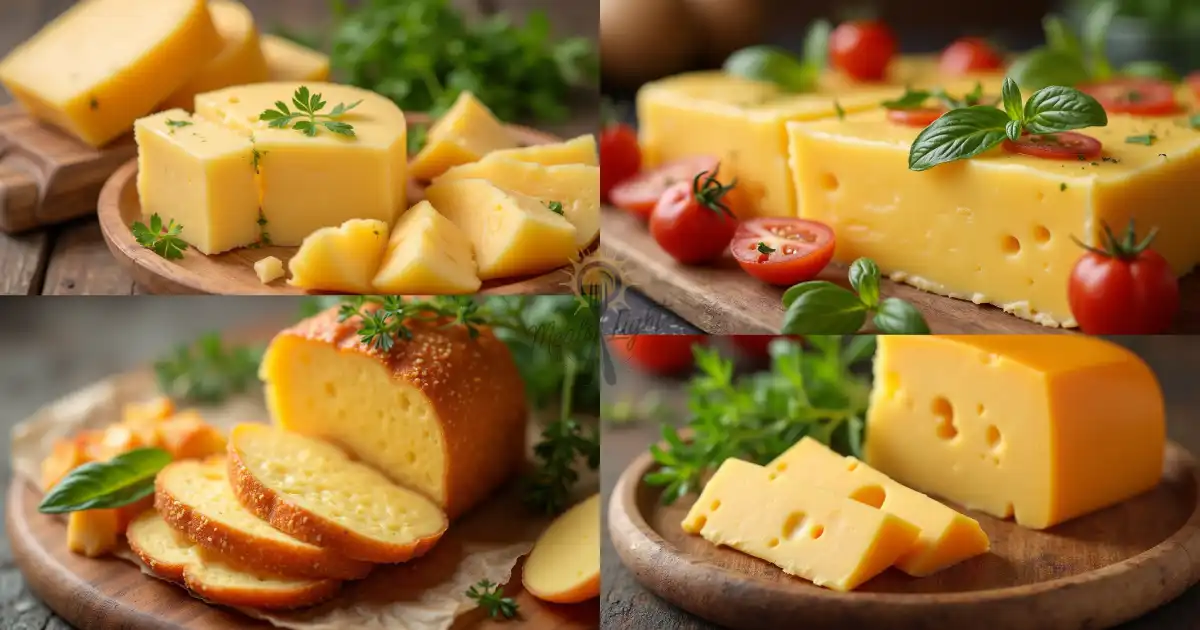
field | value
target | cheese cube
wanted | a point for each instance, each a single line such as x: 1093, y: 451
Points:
x: 343, y: 259
x: 289, y: 61
x: 93, y: 533
x: 581, y: 150
x: 575, y: 186
x: 200, y: 175
x: 102, y: 64
x: 466, y: 133
x: 1042, y: 428
x: 427, y: 255
x: 268, y: 269
x: 996, y: 228
x: 801, y: 528
x: 512, y: 234
x: 239, y: 61
x: 946, y: 537
x: 322, y: 181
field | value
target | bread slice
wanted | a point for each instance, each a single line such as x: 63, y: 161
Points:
x: 196, y: 499
x: 171, y: 556
x: 311, y: 490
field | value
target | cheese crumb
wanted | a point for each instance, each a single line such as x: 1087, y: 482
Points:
x: 269, y: 269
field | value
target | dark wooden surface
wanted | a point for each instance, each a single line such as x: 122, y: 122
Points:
x: 626, y: 605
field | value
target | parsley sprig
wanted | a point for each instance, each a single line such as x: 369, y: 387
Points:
x: 390, y: 316
x: 916, y: 99
x: 490, y: 597
x: 307, y: 118
x: 163, y: 240
x: 563, y: 442
x: 207, y: 371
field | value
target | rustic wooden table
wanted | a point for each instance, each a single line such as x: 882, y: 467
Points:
x: 626, y: 605
x: 72, y: 259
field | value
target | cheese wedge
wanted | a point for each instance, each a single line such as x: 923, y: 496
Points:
x: 239, y: 61
x: 467, y: 132
x: 269, y: 269
x: 199, y: 175
x: 342, y: 259
x: 564, y: 566
x: 289, y: 61
x: 102, y: 64
x: 427, y: 255
x: 1042, y: 428
x: 512, y: 234
x: 442, y: 413
x: 946, y: 538
x: 195, y: 498
x: 311, y: 490
x: 581, y: 150
x: 171, y: 556
x: 801, y: 528
x: 575, y: 186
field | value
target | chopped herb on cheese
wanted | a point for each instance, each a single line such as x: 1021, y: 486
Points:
x: 1144, y: 139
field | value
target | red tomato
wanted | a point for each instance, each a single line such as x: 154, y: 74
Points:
x: 1066, y: 145
x: 783, y: 251
x: 691, y: 222
x: 969, y: 54
x: 758, y: 346
x: 657, y: 354
x: 1123, y: 289
x: 640, y: 194
x: 1138, y: 96
x: 919, y: 117
x: 1193, y: 81
x: 620, y: 157
x: 862, y: 49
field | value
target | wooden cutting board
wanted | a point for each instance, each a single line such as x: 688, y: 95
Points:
x: 1093, y: 572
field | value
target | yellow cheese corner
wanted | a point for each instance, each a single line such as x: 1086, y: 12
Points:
x: 427, y: 255
x: 344, y: 258
x: 466, y: 133
x: 240, y: 60
x: 268, y: 269
x: 289, y: 61
x: 581, y: 150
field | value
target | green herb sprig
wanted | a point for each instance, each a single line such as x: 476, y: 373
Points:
x: 916, y: 99
x: 490, y: 597
x: 380, y: 327
x: 307, y: 118
x: 207, y: 371
x: 820, y: 307
x: 563, y: 442
x: 122, y: 480
x: 1146, y: 139
x: 775, y: 65
x: 163, y: 240
x: 177, y: 124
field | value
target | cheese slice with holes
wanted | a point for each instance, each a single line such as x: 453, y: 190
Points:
x: 240, y: 60
x: 803, y: 529
x: 1042, y: 428
x: 947, y: 537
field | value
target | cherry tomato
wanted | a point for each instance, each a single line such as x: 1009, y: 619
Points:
x: 641, y: 193
x: 969, y: 54
x: 1138, y: 96
x: 758, y: 346
x: 919, y: 117
x: 1124, y: 288
x: 620, y: 157
x: 1066, y: 145
x: 862, y: 49
x: 656, y: 354
x: 783, y: 251
x: 1193, y: 81
x: 691, y: 222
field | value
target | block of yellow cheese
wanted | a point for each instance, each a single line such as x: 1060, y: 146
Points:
x: 200, y: 175
x: 467, y: 132
x: 427, y: 255
x: 102, y: 64
x: 240, y: 60
x: 581, y: 150
x: 575, y: 186
x: 801, y: 528
x: 995, y: 229
x: 342, y: 258
x: 269, y: 269
x: 947, y: 537
x: 1041, y: 428
x: 314, y: 182
x: 289, y: 61
x: 512, y: 234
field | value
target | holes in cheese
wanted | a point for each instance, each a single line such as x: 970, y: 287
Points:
x: 1071, y: 424
x: 344, y: 258
x: 427, y: 254
x: 564, y: 566
x: 943, y: 413
x: 268, y: 269
x: 289, y: 61
x: 239, y: 61
x: 465, y: 133
x: 581, y: 150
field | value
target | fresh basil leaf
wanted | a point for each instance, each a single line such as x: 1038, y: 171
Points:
x: 816, y: 44
x: 957, y: 135
x: 795, y: 291
x: 1041, y: 67
x: 859, y: 348
x: 1095, y: 38
x: 1150, y: 70
x: 1056, y: 108
x: 828, y: 309
x: 775, y: 65
x: 911, y: 99
x: 119, y: 481
x: 1013, y: 130
x: 1060, y: 38
x: 854, y: 436
x: 864, y: 277
x: 1010, y: 94
x: 897, y: 317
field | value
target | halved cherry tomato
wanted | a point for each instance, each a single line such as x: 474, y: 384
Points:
x: 1123, y: 288
x: 620, y: 157
x: 919, y: 117
x: 862, y: 49
x: 1193, y: 81
x: 1066, y: 145
x: 1138, y: 96
x: 758, y: 346
x: 641, y: 193
x: 969, y: 54
x: 691, y: 222
x: 657, y: 354
x: 783, y: 251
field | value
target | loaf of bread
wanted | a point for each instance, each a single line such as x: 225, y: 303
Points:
x: 441, y: 412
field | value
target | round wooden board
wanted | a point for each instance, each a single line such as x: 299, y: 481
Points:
x: 232, y: 272
x: 1092, y: 572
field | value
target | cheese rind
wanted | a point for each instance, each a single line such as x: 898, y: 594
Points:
x: 289, y: 61
x: 465, y: 133
x: 239, y: 61
x: 1044, y: 428
x: 344, y: 258
x: 427, y: 255
x: 581, y: 150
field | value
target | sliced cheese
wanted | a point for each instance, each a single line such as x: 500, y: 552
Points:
x: 1042, y: 428
x: 467, y: 132
x: 269, y: 269
x: 427, y: 255
x: 581, y: 150
x: 564, y: 566
x: 512, y: 234
x: 102, y: 64
x: 343, y: 258
x: 240, y: 60
x: 947, y: 537
x: 289, y: 61
x: 801, y: 528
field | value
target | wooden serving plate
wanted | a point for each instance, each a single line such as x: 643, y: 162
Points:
x: 233, y: 272
x: 1093, y: 572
